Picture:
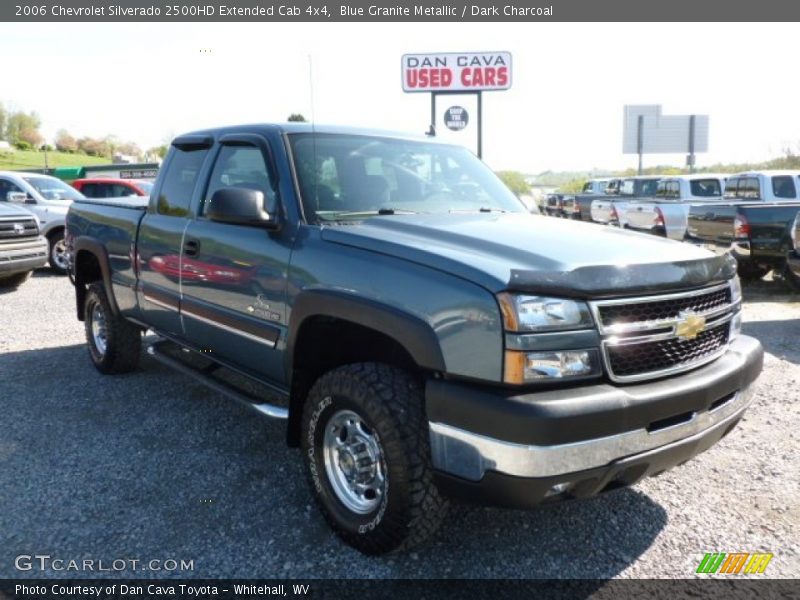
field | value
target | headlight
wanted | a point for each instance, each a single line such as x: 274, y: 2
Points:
x: 736, y: 290
x: 526, y: 367
x: 540, y: 313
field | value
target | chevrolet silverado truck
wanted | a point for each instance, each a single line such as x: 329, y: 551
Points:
x: 608, y: 211
x: 423, y: 335
x: 666, y: 214
x: 22, y: 248
x: 792, y: 271
x: 579, y: 206
x: 752, y: 223
x: 48, y: 198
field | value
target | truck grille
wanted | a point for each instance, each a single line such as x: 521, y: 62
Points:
x: 655, y: 336
x: 15, y: 230
x: 636, y: 359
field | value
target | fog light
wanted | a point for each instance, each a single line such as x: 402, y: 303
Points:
x: 524, y: 367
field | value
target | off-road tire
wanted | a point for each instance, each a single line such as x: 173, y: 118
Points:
x: 123, y: 339
x: 391, y: 403
x: 55, y: 239
x: 15, y: 280
x: 751, y: 272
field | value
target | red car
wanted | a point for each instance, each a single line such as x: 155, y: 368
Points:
x: 107, y: 187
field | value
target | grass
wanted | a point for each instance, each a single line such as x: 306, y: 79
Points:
x: 32, y: 159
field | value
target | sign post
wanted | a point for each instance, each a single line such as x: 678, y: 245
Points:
x: 647, y: 131
x: 457, y: 73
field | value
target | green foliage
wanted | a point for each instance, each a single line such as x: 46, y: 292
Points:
x: 159, y: 151
x: 22, y: 145
x: 65, y: 142
x: 296, y: 118
x: 23, y: 127
x: 573, y: 187
x: 32, y: 159
x: 515, y: 181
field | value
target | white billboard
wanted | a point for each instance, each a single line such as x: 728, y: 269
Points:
x: 662, y: 134
x: 456, y: 72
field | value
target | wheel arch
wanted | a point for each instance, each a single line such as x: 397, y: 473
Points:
x: 90, y: 264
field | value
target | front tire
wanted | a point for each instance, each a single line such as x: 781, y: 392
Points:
x: 366, y: 448
x: 114, y: 344
x: 58, y: 252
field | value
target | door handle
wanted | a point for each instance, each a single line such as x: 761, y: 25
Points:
x: 191, y: 247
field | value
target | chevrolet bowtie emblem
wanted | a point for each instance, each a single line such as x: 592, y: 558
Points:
x: 689, y: 325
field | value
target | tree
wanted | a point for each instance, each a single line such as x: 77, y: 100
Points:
x: 296, y: 118
x: 515, y: 181
x: 23, y: 127
x: 65, y: 142
x: 3, y: 121
x: 159, y: 151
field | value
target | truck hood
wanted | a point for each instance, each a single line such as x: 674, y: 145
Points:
x: 532, y: 253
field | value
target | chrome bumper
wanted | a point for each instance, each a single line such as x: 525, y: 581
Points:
x: 469, y: 455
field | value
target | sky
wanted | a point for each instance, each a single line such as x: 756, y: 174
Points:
x: 147, y: 82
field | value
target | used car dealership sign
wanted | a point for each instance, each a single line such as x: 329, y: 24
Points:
x: 457, y: 72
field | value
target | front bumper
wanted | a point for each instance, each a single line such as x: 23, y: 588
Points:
x: 518, y: 450
x: 23, y: 256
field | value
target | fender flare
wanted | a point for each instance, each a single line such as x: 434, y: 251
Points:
x: 96, y: 248
x: 414, y: 334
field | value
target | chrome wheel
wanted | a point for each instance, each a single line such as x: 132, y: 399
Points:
x: 354, y: 462
x: 99, y: 329
x: 58, y: 254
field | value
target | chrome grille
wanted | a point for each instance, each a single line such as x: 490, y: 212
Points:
x: 641, y: 335
x: 13, y: 230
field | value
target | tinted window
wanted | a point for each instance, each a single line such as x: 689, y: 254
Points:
x: 7, y: 187
x: 179, y: 181
x: 53, y: 189
x: 673, y: 190
x: 783, y: 186
x: 661, y: 190
x: 749, y: 189
x: 122, y: 190
x: 647, y: 187
x: 705, y: 188
x: 244, y: 167
x: 731, y: 187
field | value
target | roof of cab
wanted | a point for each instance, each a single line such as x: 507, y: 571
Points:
x: 768, y: 173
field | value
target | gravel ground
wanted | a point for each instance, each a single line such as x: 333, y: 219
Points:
x: 152, y: 466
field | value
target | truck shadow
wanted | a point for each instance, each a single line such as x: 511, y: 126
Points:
x: 153, y: 466
x: 769, y: 289
x: 779, y: 338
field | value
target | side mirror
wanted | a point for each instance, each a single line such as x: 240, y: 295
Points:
x: 19, y: 197
x: 240, y: 206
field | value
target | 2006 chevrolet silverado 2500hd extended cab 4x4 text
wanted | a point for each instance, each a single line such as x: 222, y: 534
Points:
x: 422, y: 333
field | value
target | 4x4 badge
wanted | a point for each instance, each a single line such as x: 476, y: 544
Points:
x: 689, y: 325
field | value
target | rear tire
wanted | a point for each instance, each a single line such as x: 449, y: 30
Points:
x: 57, y: 252
x: 115, y: 344
x: 791, y: 279
x: 751, y: 272
x: 366, y: 448
x: 15, y: 280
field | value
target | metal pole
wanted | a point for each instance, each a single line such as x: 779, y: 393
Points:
x: 640, y: 139
x: 432, y: 130
x: 480, y: 125
x: 691, y: 144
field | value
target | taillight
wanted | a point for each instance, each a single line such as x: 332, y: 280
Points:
x: 741, y: 228
x: 658, y: 220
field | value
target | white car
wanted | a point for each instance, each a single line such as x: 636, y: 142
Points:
x: 610, y: 209
x: 666, y: 215
x: 49, y: 199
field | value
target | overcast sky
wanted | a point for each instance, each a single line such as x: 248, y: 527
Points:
x: 145, y: 82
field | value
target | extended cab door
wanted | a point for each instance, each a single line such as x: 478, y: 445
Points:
x: 158, y: 246
x: 233, y: 279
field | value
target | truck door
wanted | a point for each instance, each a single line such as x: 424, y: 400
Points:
x: 158, y: 246
x: 233, y: 280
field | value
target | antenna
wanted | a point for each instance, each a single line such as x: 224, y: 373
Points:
x: 313, y: 130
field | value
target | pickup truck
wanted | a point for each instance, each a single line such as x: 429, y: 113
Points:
x: 607, y: 211
x: 792, y: 272
x: 423, y: 335
x: 579, y: 206
x: 753, y: 221
x: 22, y: 248
x: 49, y: 199
x: 667, y: 213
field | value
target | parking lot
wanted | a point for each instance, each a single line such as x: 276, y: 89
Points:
x: 154, y: 466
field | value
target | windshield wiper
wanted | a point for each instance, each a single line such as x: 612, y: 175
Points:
x: 482, y: 209
x: 372, y: 213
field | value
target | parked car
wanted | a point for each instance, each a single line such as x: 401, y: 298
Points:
x: 752, y: 223
x: 22, y: 248
x: 425, y: 336
x: 554, y: 205
x: 608, y: 210
x: 579, y: 206
x: 792, y: 272
x: 49, y: 199
x: 99, y: 187
x: 666, y: 215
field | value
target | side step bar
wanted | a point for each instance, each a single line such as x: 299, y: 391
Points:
x: 268, y: 410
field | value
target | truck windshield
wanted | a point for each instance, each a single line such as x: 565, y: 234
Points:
x: 346, y: 177
x: 54, y: 189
